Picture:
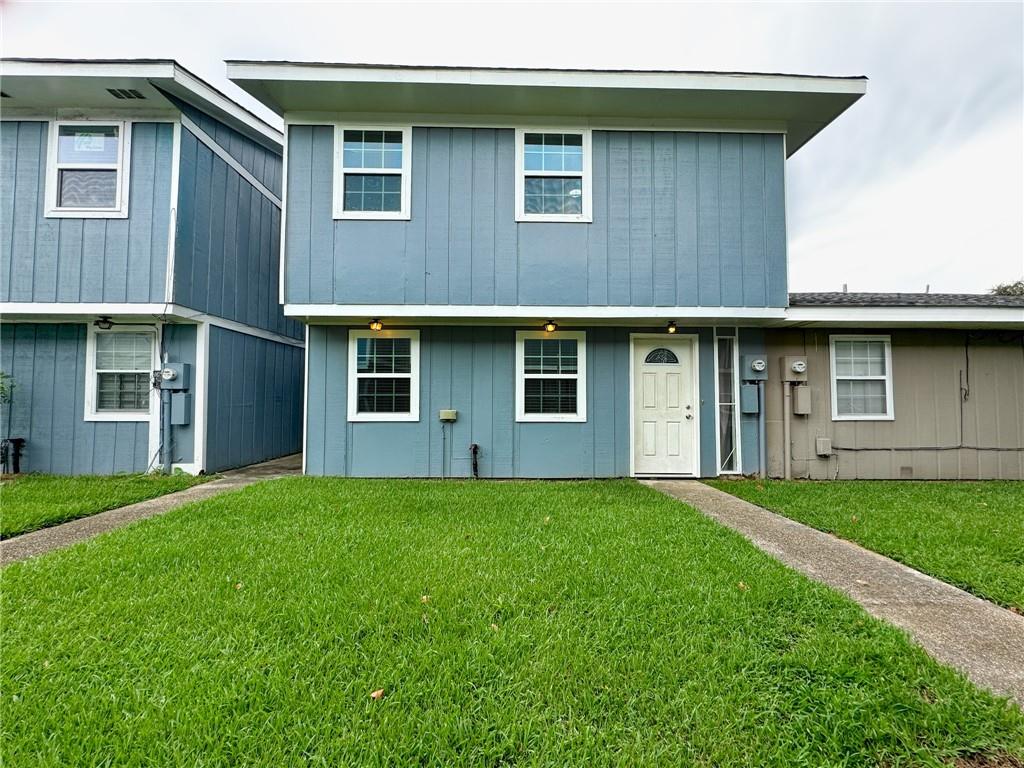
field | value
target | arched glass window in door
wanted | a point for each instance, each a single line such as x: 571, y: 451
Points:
x: 662, y: 356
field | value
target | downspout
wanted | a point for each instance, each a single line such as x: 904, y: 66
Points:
x: 166, y: 451
x: 787, y: 461
x: 762, y: 431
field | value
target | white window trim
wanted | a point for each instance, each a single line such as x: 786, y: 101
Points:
x: 580, y: 376
x: 91, y: 413
x: 340, y: 171
x: 413, y: 375
x: 123, y: 168
x: 586, y: 175
x: 889, y: 415
x: 737, y: 432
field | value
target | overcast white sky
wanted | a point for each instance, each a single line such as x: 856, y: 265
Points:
x: 921, y: 182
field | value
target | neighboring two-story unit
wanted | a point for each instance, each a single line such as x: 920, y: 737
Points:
x: 538, y: 273
x: 140, y: 215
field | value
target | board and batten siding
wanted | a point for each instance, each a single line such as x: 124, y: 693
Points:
x: 227, y: 244
x: 254, y: 409
x: 950, y: 388
x: 680, y: 219
x: 83, y: 260
x: 47, y: 364
x: 472, y: 369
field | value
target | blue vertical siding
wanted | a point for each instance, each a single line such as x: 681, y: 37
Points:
x: 680, y: 219
x: 472, y: 369
x: 227, y: 243
x: 752, y: 342
x: 47, y: 363
x: 83, y: 260
x: 254, y: 409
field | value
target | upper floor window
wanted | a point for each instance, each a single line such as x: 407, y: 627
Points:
x: 861, y: 378
x: 384, y: 376
x: 119, y: 373
x: 551, y: 371
x: 553, y: 175
x: 87, y: 170
x: 371, y: 174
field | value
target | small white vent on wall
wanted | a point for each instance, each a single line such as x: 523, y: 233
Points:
x: 125, y: 93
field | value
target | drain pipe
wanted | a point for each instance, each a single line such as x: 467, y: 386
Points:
x: 166, y: 449
x: 786, y: 450
x: 762, y: 433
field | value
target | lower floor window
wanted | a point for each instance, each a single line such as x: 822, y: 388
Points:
x: 551, y: 376
x: 861, y: 378
x: 383, y: 380
x: 120, y: 373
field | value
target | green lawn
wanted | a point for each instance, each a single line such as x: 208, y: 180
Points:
x: 556, y: 624
x: 970, y: 534
x: 39, y: 501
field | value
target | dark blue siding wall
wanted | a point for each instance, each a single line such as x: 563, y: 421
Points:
x: 83, y: 260
x: 473, y: 371
x: 227, y: 244
x: 680, y: 219
x: 255, y: 158
x: 47, y: 362
x: 752, y: 342
x: 255, y: 400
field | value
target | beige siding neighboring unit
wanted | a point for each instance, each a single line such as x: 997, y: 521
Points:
x: 958, y: 399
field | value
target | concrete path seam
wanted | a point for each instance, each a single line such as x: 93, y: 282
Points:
x: 982, y: 640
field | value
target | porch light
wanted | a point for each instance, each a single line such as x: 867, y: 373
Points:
x: 376, y: 325
x: 104, y: 323
x: 671, y: 328
x: 550, y: 326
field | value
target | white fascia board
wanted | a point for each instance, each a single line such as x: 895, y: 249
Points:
x: 709, y: 81
x: 359, y: 313
x: 910, y: 316
x: 141, y: 69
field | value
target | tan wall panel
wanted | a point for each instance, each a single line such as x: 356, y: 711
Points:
x: 943, y: 381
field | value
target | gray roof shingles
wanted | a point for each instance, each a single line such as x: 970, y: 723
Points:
x: 903, y: 300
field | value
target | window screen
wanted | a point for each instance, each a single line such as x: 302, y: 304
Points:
x: 88, y: 166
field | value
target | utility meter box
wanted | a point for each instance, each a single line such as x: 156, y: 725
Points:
x: 448, y: 414
x: 802, y: 400
x: 748, y: 399
x: 754, y: 368
x: 175, y: 376
x: 181, y: 409
x: 793, y: 368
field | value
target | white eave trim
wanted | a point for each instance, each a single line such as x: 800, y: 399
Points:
x: 707, y: 81
x: 929, y: 316
x: 512, y: 313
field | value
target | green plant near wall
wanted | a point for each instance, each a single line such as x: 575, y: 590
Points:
x: 6, y: 387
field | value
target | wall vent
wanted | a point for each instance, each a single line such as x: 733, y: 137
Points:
x: 125, y: 93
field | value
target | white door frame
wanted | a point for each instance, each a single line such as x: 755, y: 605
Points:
x: 695, y: 357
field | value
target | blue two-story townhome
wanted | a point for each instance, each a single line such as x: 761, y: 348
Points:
x: 535, y: 273
x: 140, y: 221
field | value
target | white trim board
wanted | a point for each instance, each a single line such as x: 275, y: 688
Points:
x: 498, y: 312
x: 200, y: 396
x: 224, y: 155
x: 86, y: 313
x: 172, y: 222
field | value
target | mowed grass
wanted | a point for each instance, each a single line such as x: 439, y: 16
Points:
x: 542, y: 624
x: 30, y: 502
x: 970, y: 534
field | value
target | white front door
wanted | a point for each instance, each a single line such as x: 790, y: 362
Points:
x: 664, y: 406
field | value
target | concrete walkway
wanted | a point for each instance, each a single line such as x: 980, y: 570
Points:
x: 64, y: 535
x: 980, y: 639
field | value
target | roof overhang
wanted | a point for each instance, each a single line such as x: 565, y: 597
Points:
x: 797, y: 105
x: 39, y: 87
x: 769, y: 317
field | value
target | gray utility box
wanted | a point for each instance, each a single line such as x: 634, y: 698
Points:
x: 754, y: 368
x: 749, y: 399
x: 802, y: 400
x: 181, y: 409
